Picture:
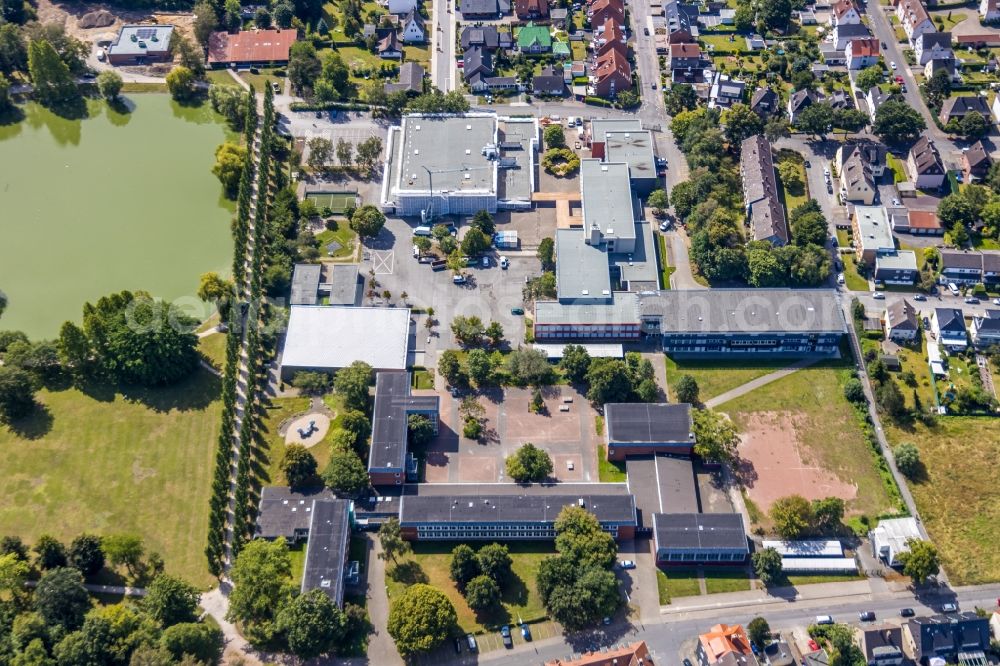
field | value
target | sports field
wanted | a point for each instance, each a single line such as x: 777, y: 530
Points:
x: 335, y: 201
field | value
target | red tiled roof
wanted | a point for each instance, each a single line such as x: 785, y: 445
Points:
x: 924, y: 219
x: 685, y: 51
x: 724, y: 639
x: 865, y: 47
x: 842, y: 7
x: 612, y: 62
x: 251, y: 46
x: 626, y: 656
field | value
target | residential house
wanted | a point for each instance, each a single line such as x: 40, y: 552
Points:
x: 843, y: 12
x: 401, y: 6
x: 681, y: 22
x: 918, y: 223
x: 610, y: 35
x: 961, y: 267
x: 760, y: 192
x: 989, y: 11
x: 413, y: 29
x: 862, y: 53
x: 765, y: 102
x: 723, y: 645
x: 882, y: 645
x: 932, y: 46
x: 486, y: 37
x: 956, y: 108
x: 947, y: 636
x: 874, y: 98
x: 534, y: 39
x: 991, y: 268
x: 687, y: 64
x: 611, y: 74
x: 986, y: 329
x: 924, y: 166
x: 600, y: 11
x: 548, y: 83
x: 411, y: 79
x: 725, y: 92
x: 635, y: 654
x: 839, y: 99
x: 872, y: 234
x: 477, y: 65
x: 530, y: 10
x: 560, y: 18
x: 497, y: 83
x: 798, y: 101
x: 483, y: 10
x: 755, y: 42
x: 250, y: 48
x: 942, y: 64
x: 844, y: 34
x: 807, y: 17
x: 816, y: 658
x: 976, y: 162
x: 389, y: 45
x: 948, y: 326
x: 857, y: 180
x: 561, y: 49
x: 871, y: 153
x: 898, y: 268
x: 900, y: 319
x: 913, y: 17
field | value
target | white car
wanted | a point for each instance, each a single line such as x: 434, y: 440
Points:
x: 895, y: 202
x: 995, y: 301
x: 664, y: 226
x: 627, y: 564
x: 504, y: 264
x: 878, y: 295
x: 893, y: 65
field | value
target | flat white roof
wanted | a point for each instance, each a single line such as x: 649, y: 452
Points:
x: 809, y: 548
x: 832, y: 564
x: 327, y: 336
x: 607, y: 350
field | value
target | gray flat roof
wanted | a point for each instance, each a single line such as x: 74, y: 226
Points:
x: 638, y: 268
x: 599, y: 127
x: 333, y: 337
x: 623, y: 309
x: 155, y: 38
x: 700, y: 531
x: 305, y: 284
x: 902, y: 260
x: 326, y: 553
x: 581, y: 270
x: 745, y: 310
x: 282, y: 512
x: 607, y: 197
x: 634, y: 148
x: 517, y: 184
x: 648, y: 423
x: 450, y: 147
x: 522, y: 504
x: 393, y: 402
x: 662, y: 484
x: 341, y: 281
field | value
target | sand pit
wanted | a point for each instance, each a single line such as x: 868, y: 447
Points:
x: 778, y: 464
x: 321, y: 424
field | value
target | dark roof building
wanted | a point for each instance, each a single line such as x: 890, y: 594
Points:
x: 411, y: 79
x: 508, y: 511
x: 699, y: 537
x: 976, y: 162
x: 305, y: 284
x: 764, y: 102
x: 961, y: 267
x: 643, y: 428
x: 484, y: 36
x: 531, y: 9
x: 393, y: 406
x: 800, y: 100
x: 483, y: 9
x: 283, y: 512
x: 901, y: 320
x: 946, y: 636
x: 956, y: 108
x: 882, y: 645
x: 661, y: 483
x: 924, y: 164
x: 548, y: 83
x: 760, y: 192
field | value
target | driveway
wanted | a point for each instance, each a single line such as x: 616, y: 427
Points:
x: 677, y: 246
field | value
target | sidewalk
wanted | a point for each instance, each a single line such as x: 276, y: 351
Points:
x: 821, y: 592
x: 754, y: 384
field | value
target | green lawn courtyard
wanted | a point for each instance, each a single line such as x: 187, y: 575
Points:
x: 717, y: 376
x: 100, y: 461
x: 429, y: 563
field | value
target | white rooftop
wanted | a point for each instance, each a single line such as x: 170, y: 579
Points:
x: 890, y: 537
x: 327, y: 336
x: 873, y: 226
x: 806, y: 548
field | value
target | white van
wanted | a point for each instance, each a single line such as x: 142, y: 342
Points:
x: 953, y: 288
x: 422, y: 231
x: 824, y: 619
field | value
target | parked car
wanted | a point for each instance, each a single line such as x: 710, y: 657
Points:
x: 504, y: 264
x: 628, y: 564
x: 824, y: 619
x: 841, y: 279
x: 893, y: 65
x: 517, y: 311
x: 995, y: 301
x: 606, y: 621
x: 458, y: 646
x: 953, y: 288
x: 687, y: 662
x: 458, y: 279
x: 949, y: 608
x: 895, y: 202
x: 878, y: 295
x: 884, y: 46
x: 971, y: 300
x: 906, y: 612
x: 919, y: 297
x: 471, y: 640
x: 486, y: 262
x: 664, y: 226
x: 867, y: 616
x: 525, y: 632
x: 508, y: 642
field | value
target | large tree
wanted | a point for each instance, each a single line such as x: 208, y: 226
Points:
x: 546, y: 253
x: 198, y: 641
x: 391, y: 539
x: 181, y: 83
x: 304, y: 66
x: 262, y: 585
x: 741, y: 123
x: 61, y: 599
x: 464, y: 566
x: 312, y: 624
x: 368, y: 220
x: 124, y: 549
x: 17, y: 394
x: 869, y: 77
x: 529, y: 366
x: 482, y: 594
x: 139, y: 340
x: 907, y: 457
x: 86, y: 554
x: 767, y: 565
x: 609, y: 381
x: 299, y: 466
x: 51, y: 77
x: 170, y: 600
x: 369, y: 152
x: 897, y: 122
x: 420, y: 619
x: 580, y: 538
x: 686, y: 389
x: 529, y: 463
x: 494, y: 561
x: 715, y: 435
x: 816, y: 119
x: 352, y: 384
x: 345, y: 474
x: 920, y: 561
x: 575, y: 362
x: 792, y: 516
x: 228, y: 168
x: 109, y: 83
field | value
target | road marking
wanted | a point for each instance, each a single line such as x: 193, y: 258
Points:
x: 383, y: 261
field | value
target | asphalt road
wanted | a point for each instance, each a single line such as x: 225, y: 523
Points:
x: 443, y: 26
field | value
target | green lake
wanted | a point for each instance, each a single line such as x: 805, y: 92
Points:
x: 115, y: 201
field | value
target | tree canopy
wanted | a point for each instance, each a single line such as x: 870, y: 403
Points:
x: 529, y: 463
x: 420, y: 619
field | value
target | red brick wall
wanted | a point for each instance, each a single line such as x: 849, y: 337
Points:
x: 386, y: 478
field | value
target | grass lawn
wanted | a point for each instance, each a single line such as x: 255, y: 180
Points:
x: 220, y: 77
x: 959, y: 499
x: 915, y: 360
x: 103, y: 462
x: 609, y: 471
x: 794, y: 199
x: 135, y: 87
x: 423, y: 378
x: 297, y: 551
x: 722, y: 43
x: 259, y: 81
x: 213, y: 348
x: 579, y: 49
x: 843, y: 238
x: 948, y: 20
x: 666, y: 270
x: 826, y: 424
x: 984, y: 243
x: 429, y: 563
x: 854, y: 280
x: 676, y: 582
x: 726, y: 580
x: 343, y: 235
x: 715, y: 377
x: 813, y: 579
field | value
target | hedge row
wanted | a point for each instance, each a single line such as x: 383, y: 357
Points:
x: 326, y: 106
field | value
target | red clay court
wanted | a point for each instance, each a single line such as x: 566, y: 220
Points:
x: 778, y: 464
x: 250, y: 47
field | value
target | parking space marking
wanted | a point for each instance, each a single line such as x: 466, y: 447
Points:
x: 383, y: 261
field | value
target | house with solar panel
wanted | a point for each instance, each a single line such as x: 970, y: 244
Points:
x: 141, y: 45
